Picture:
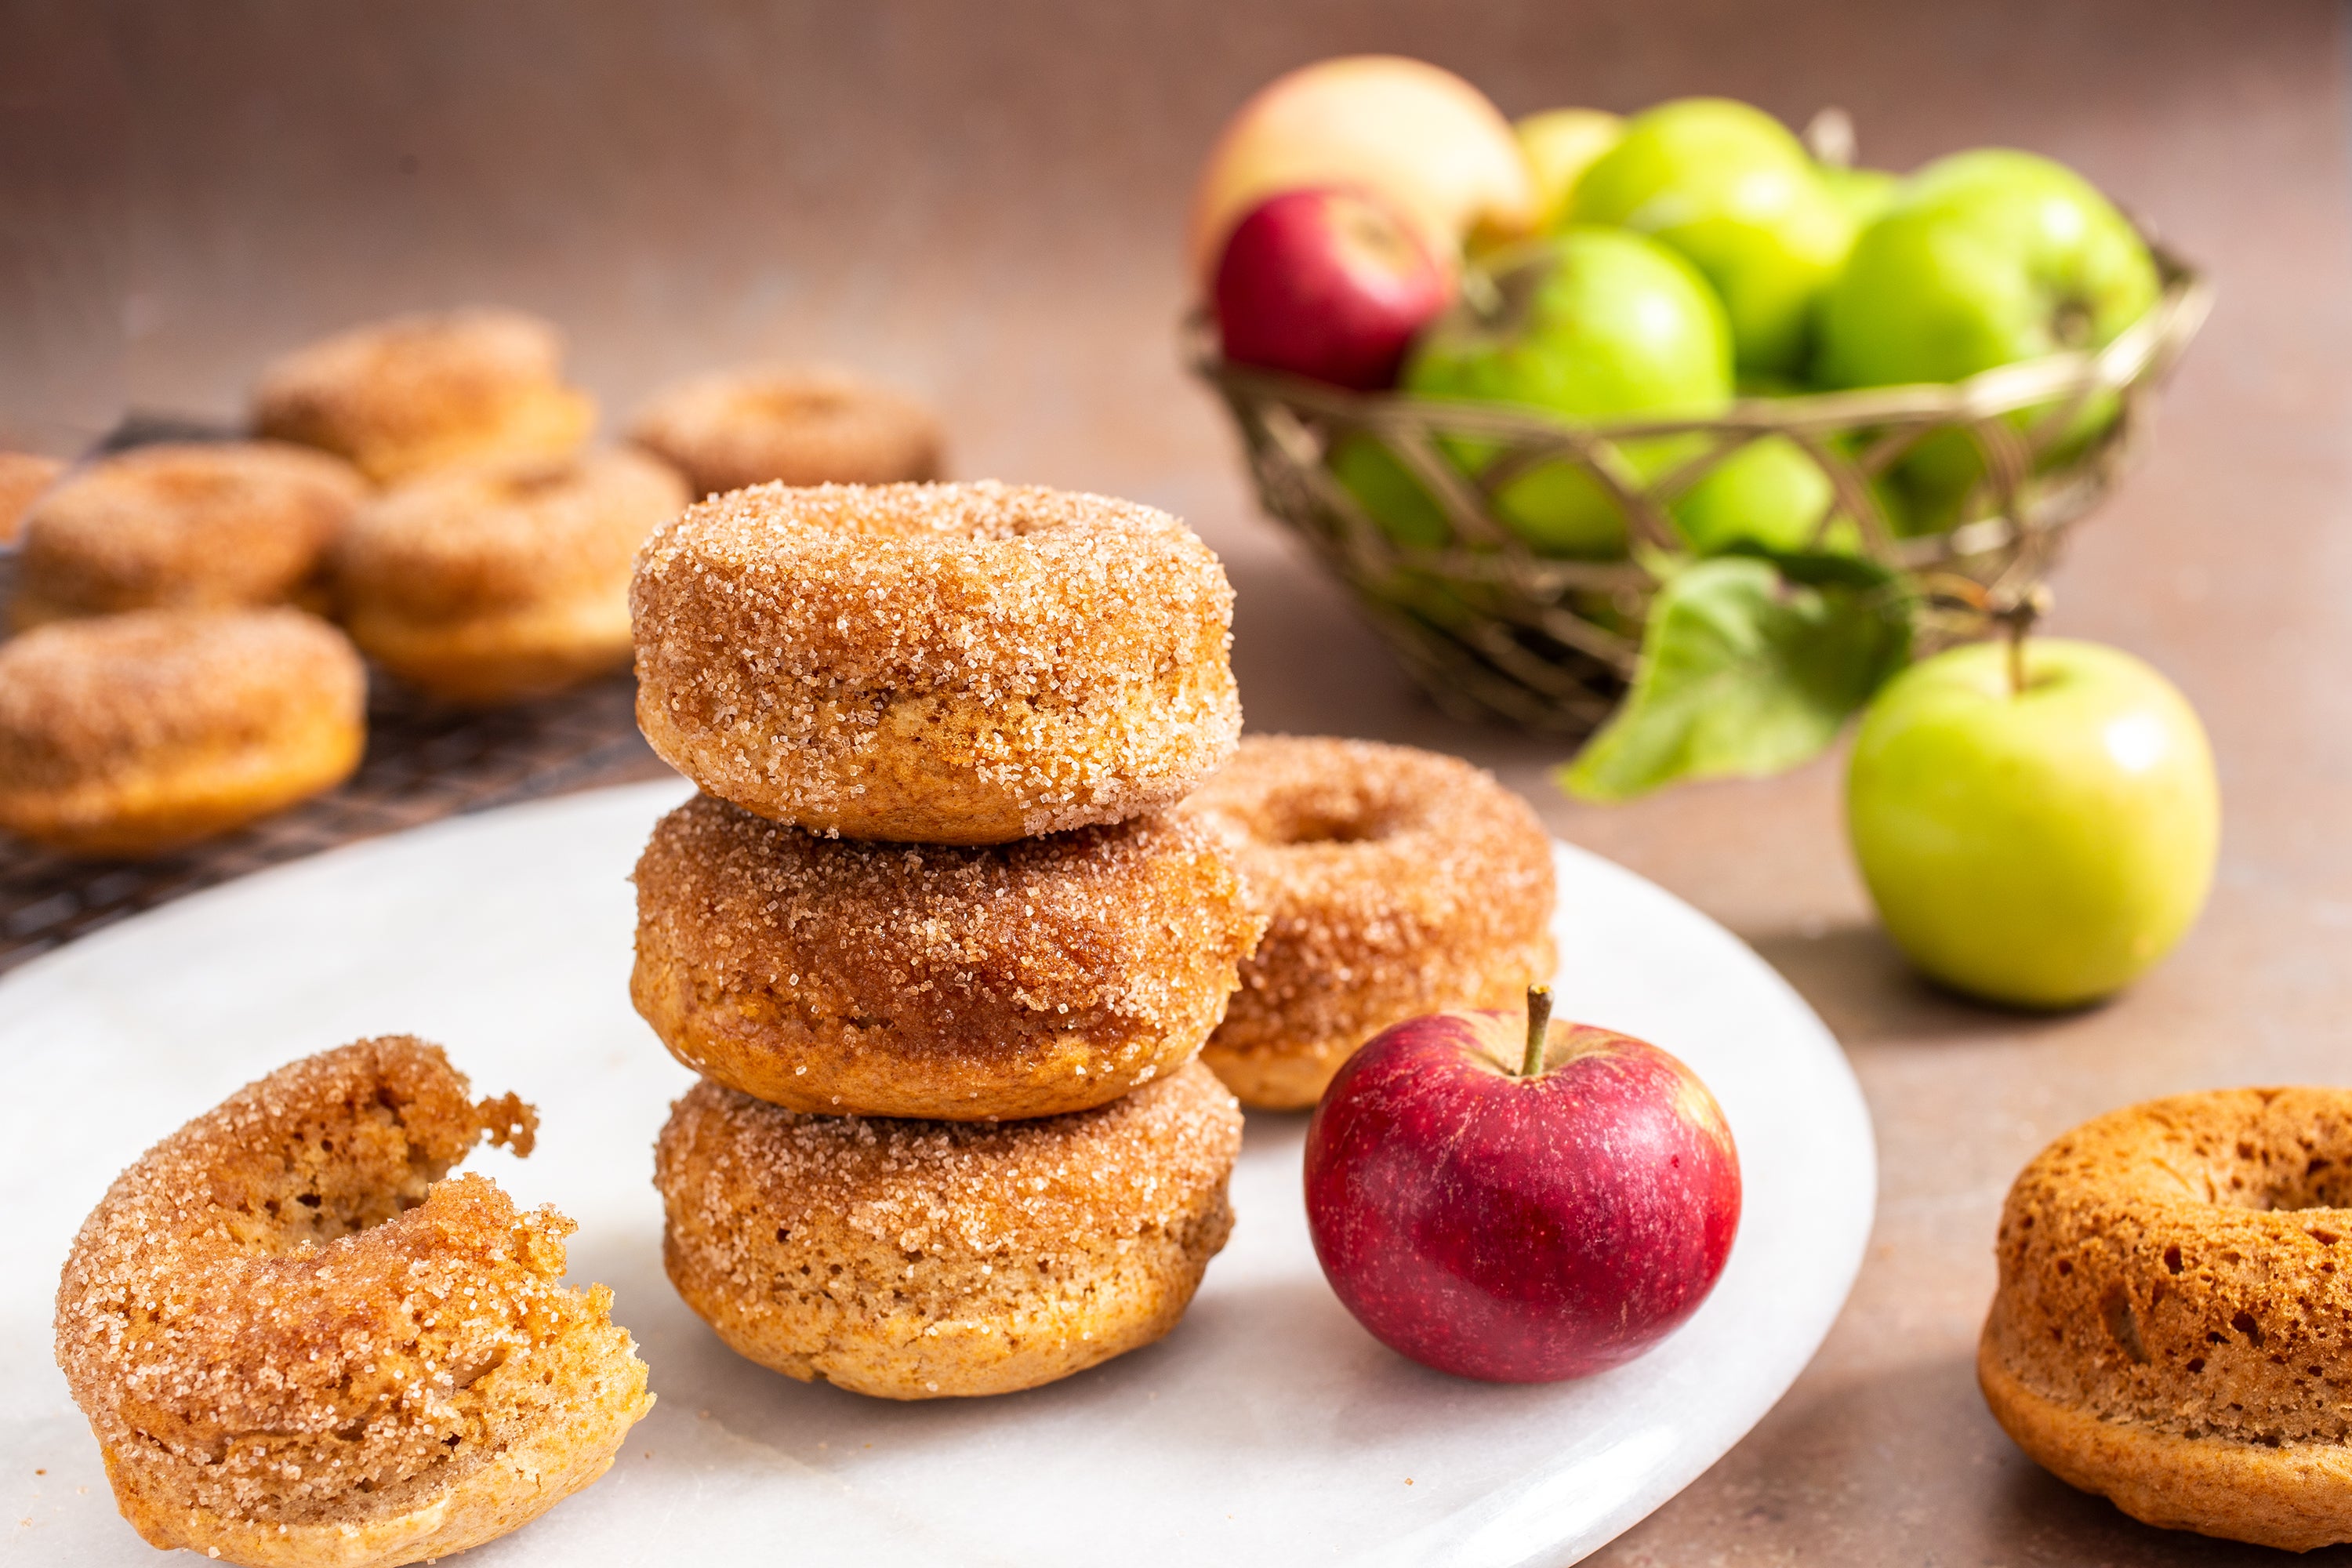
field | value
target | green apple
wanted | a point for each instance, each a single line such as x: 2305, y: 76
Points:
x: 1728, y: 187
x: 1560, y: 145
x: 1387, y: 491
x: 1985, y: 258
x: 1769, y: 492
x: 2043, y: 847
x: 1593, y: 325
x: 1865, y: 194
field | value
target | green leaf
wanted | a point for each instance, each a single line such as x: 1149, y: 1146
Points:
x: 1749, y: 665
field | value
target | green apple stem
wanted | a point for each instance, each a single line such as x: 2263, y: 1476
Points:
x: 2019, y: 614
x: 1538, y: 1029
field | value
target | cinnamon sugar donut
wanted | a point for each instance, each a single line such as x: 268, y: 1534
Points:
x: 131, y: 734
x: 1025, y: 979
x: 23, y: 476
x: 1396, y: 883
x: 427, y: 391
x: 2169, y: 1328
x: 210, y: 525
x: 944, y: 664
x: 925, y: 1259
x: 503, y: 580
x: 795, y: 426
x: 295, y: 1344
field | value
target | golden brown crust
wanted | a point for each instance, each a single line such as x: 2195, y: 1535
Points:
x: 503, y: 580
x: 1026, y: 979
x: 295, y: 1344
x: 1396, y: 883
x: 2169, y: 1326
x: 128, y: 734
x: 200, y: 525
x: 944, y: 664
x: 923, y: 1259
x: 23, y: 478
x: 428, y: 391
x: 785, y: 425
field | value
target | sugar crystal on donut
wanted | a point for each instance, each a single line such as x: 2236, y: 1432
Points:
x: 962, y: 664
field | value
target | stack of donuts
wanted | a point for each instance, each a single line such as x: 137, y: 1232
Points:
x: 935, y: 933
x: 424, y: 482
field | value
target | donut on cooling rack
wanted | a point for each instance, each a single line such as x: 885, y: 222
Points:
x: 1395, y: 882
x: 2168, y: 1331
x: 427, y: 391
x: 23, y: 478
x: 923, y: 1259
x: 199, y: 525
x: 1025, y: 979
x: 796, y: 426
x: 502, y: 581
x: 942, y: 664
x: 297, y: 1343
x: 135, y: 733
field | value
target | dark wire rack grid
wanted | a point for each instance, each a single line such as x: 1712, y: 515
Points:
x: 422, y: 764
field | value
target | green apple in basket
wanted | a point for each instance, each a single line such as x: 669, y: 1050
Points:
x: 1985, y: 258
x: 1592, y: 326
x: 1732, y: 190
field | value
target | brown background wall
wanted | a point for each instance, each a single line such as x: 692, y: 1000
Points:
x: 984, y: 202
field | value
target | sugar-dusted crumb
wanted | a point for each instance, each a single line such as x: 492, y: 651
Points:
x: 1395, y: 882
x: 789, y: 424
x: 1023, y: 979
x: 206, y: 524
x: 282, y: 1320
x: 966, y: 663
x: 915, y: 1259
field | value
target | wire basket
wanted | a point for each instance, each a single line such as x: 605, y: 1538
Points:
x: 1495, y: 631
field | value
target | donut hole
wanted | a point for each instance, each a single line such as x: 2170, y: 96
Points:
x: 534, y: 480
x: 2274, y: 1180
x: 791, y: 405
x: 1292, y: 821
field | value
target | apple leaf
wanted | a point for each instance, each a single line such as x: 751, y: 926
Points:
x: 1751, y: 664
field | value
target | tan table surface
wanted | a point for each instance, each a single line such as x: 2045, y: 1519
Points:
x: 985, y: 203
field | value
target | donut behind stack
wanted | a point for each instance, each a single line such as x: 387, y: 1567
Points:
x: 1397, y: 882
x: 931, y: 889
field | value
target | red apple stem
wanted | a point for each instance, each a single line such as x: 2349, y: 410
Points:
x: 1538, y: 1029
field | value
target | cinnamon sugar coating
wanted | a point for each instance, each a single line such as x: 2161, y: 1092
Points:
x: 1025, y: 979
x: 23, y: 478
x: 787, y: 425
x: 944, y: 664
x: 503, y: 580
x: 297, y: 1343
x: 128, y: 734
x: 924, y: 1259
x: 209, y: 525
x: 1395, y: 882
x: 427, y: 391
x: 2173, y: 1324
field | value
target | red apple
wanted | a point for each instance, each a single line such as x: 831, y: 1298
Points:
x: 1517, y: 1200
x: 1428, y: 141
x: 1326, y: 283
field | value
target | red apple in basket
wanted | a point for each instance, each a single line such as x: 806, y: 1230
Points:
x: 1327, y: 283
x: 1508, y: 1198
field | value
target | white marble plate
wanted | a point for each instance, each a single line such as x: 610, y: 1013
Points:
x: 1267, y: 1428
